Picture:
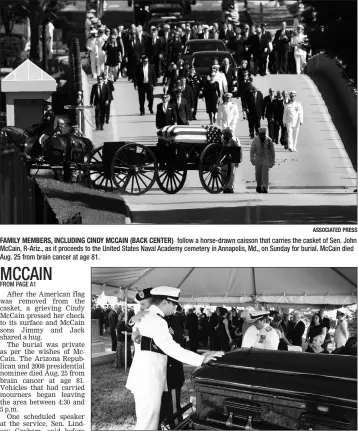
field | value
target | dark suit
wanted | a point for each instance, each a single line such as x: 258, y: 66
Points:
x: 254, y: 107
x: 230, y: 76
x: 98, y: 98
x: 145, y: 89
x: 268, y: 113
x: 113, y: 321
x: 175, y: 376
x: 167, y: 118
x: 167, y: 51
x: 153, y: 51
x: 182, y: 111
x: 226, y: 36
x: 281, y: 44
x: 259, y: 48
x: 188, y: 93
x: 107, y: 109
x: 278, y: 108
x: 295, y: 333
x: 191, y: 325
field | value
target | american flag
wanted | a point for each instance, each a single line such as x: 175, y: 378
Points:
x: 213, y: 134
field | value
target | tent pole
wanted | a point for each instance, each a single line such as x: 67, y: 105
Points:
x: 185, y: 278
x: 126, y: 338
x: 255, y: 292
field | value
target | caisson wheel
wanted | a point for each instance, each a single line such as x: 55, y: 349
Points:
x: 96, y: 173
x: 214, y: 168
x: 171, y: 180
x: 134, y: 169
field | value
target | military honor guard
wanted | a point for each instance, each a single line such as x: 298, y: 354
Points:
x: 147, y: 377
x: 230, y: 140
x: 292, y: 120
x: 260, y: 335
x: 262, y: 156
x: 228, y: 113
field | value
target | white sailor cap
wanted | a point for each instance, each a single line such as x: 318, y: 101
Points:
x: 166, y: 26
x: 258, y: 315
x: 205, y: 26
x: 293, y: 93
x: 228, y: 95
x: 92, y: 11
x: 93, y: 31
x: 262, y: 129
x: 166, y: 292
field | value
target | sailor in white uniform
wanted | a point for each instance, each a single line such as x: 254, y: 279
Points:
x: 260, y: 335
x: 292, y: 120
x: 147, y: 376
x: 228, y: 113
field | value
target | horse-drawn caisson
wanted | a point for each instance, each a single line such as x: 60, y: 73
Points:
x: 134, y: 168
x: 130, y: 167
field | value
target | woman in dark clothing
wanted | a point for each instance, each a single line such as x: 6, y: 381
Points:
x: 222, y: 334
x: 114, y: 51
x: 316, y: 328
x: 176, y: 48
x: 211, y: 94
x: 120, y: 352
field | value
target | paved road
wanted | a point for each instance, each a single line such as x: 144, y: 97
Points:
x: 314, y: 185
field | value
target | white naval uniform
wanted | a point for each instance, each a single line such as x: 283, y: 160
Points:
x: 228, y: 116
x: 101, y: 54
x: 92, y: 47
x: 293, y: 117
x: 265, y: 338
x: 147, y: 377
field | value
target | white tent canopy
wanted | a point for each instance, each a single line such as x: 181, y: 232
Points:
x: 236, y: 286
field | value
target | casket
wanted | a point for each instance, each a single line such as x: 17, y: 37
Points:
x: 264, y: 389
x: 189, y: 134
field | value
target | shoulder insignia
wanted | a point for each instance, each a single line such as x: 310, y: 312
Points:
x: 269, y: 328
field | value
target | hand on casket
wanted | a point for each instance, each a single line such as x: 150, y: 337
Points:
x: 212, y: 356
x: 138, y: 317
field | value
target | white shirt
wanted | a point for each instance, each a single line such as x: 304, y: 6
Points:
x: 92, y: 45
x: 148, y: 373
x: 221, y: 80
x: 228, y: 115
x: 145, y: 74
x: 265, y: 338
x: 293, y: 114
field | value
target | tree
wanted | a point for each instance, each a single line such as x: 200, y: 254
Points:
x: 38, y: 11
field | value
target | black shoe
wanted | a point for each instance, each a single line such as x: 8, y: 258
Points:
x: 264, y: 190
x: 228, y: 191
x: 142, y: 113
x: 107, y: 122
x: 258, y: 189
x: 194, y: 119
x: 101, y: 128
x: 151, y: 111
x: 252, y: 136
x: 97, y: 128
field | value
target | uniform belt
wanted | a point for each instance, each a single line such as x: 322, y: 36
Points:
x: 149, y: 345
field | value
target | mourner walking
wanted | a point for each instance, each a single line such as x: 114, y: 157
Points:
x: 292, y: 120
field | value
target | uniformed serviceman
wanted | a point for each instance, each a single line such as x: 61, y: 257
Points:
x: 230, y: 140
x: 260, y: 335
x: 262, y: 156
x: 170, y: 403
x: 292, y: 120
x: 228, y: 113
x: 147, y: 376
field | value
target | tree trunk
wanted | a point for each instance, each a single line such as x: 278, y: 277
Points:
x: 35, y: 37
x: 6, y: 19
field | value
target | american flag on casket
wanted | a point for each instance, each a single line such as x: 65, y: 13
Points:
x: 190, y: 134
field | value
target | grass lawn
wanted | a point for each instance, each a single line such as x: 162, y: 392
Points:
x: 113, y: 404
x: 95, y: 206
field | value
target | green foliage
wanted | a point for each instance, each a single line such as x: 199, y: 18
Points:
x: 10, y: 48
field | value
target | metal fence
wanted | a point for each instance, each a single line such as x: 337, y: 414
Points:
x: 21, y: 199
